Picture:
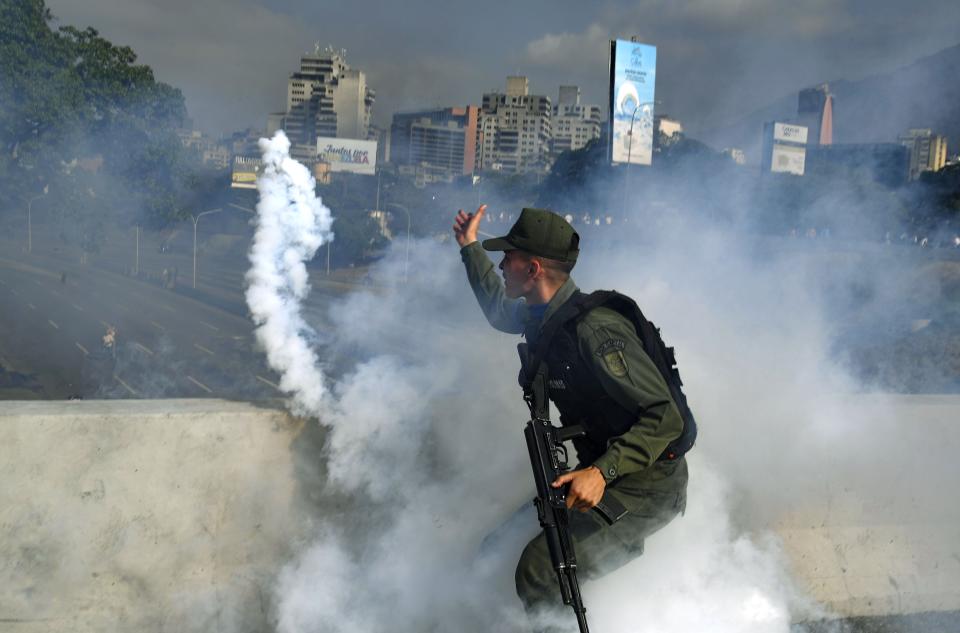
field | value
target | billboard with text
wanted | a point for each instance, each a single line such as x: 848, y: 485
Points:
x: 633, y: 71
x: 348, y: 155
x: 245, y: 171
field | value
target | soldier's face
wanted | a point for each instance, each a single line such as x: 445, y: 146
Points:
x: 517, y: 276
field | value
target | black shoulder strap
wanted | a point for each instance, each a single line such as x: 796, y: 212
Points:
x: 573, y: 308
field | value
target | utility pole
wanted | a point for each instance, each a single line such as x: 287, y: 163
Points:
x: 30, y: 218
x: 196, y: 219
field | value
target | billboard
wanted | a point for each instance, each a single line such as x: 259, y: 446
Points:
x: 245, y: 172
x: 784, y: 148
x: 633, y: 68
x: 789, y: 133
x: 788, y: 159
x: 349, y: 155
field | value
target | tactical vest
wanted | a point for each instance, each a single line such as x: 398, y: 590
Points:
x: 578, y: 394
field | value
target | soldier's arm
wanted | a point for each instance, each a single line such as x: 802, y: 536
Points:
x: 609, y: 344
x: 503, y: 313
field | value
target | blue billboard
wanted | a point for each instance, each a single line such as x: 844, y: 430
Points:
x: 633, y: 73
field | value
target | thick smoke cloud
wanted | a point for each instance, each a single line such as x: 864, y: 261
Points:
x: 424, y: 435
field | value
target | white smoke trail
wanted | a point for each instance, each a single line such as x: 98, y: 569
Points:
x: 291, y: 225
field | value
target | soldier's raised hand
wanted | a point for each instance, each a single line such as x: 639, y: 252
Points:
x: 466, y: 225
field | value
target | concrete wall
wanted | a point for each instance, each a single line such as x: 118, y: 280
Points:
x: 883, y: 534
x: 176, y: 515
x: 142, y: 515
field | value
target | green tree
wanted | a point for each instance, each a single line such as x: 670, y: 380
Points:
x: 69, y: 93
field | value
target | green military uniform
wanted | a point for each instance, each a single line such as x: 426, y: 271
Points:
x: 651, y: 488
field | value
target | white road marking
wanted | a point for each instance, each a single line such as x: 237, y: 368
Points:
x: 239, y: 338
x: 212, y: 327
x: 274, y: 385
x: 38, y: 283
x: 83, y: 349
x: 32, y: 307
x: 204, y: 349
x: 144, y: 348
x: 199, y: 384
x: 53, y: 324
x: 77, y: 307
x: 129, y: 388
x: 168, y: 308
x: 158, y: 326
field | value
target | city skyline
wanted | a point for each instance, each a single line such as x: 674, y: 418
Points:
x: 716, y: 59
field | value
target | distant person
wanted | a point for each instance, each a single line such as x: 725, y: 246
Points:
x: 110, y: 341
x: 600, y: 377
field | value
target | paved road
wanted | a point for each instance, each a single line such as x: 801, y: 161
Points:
x: 168, y: 344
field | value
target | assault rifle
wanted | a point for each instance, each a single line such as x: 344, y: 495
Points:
x: 548, y: 457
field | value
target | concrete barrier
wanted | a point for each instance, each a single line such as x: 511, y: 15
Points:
x: 142, y: 515
x: 176, y: 515
x: 879, y: 534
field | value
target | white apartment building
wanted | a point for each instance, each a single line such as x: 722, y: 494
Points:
x: 574, y: 124
x: 326, y: 98
x: 928, y: 151
x: 515, y: 130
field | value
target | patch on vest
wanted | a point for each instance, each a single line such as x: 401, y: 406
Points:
x: 616, y: 363
x: 556, y: 383
x: 611, y: 351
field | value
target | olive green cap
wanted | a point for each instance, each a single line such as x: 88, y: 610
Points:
x: 539, y: 232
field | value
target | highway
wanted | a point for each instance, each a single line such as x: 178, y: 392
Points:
x: 168, y: 344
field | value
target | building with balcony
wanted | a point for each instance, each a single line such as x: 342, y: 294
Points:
x: 515, y: 130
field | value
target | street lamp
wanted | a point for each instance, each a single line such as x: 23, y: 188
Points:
x: 406, y: 254
x: 196, y: 218
x: 626, y: 168
x: 46, y: 189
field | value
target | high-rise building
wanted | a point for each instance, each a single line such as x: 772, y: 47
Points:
x: 574, y: 124
x: 815, y: 112
x: 515, y: 130
x: 928, y: 151
x: 326, y: 98
x: 442, y: 142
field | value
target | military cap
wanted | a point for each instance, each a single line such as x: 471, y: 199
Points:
x: 539, y: 232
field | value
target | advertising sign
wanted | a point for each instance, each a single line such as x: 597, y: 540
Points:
x: 790, y: 133
x: 788, y: 159
x: 633, y: 70
x: 350, y: 155
x: 245, y: 172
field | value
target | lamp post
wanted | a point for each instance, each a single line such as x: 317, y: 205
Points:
x: 626, y: 168
x: 406, y: 254
x: 196, y: 218
x: 30, y: 217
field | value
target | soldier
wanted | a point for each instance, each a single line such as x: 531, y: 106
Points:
x: 600, y: 377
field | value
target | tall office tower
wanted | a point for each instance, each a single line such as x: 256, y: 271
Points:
x: 326, y: 98
x: 574, y: 124
x: 515, y: 129
x: 928, y: 151
x: 441, y: 142
x: 815, y: 112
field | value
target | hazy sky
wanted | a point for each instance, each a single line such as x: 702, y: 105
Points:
x: 232, y: 58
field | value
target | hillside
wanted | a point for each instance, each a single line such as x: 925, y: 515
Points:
x: 878, y: 108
